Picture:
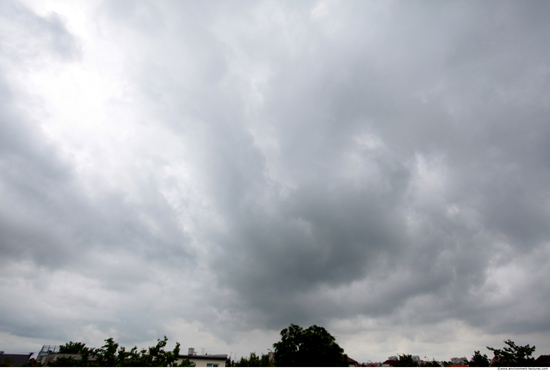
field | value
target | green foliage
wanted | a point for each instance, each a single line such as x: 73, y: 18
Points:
x: 186, y: 362
x: 111, y: 355
x: 69, y: 362
x: 252, y: 361
x: 312, y: 347
x: 432, y: 363
x: 405, y: 360
x: 479, y: 360
x: 229, y: 362
x: 72, y: 348
x: 513, y: 355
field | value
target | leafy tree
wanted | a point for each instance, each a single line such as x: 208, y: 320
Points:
x: 312, y: 347
x: 106, y: 355
x: 111, y: 355
x: 479, y: 360
x: 432, y: 363
x: 406, y: 360
x: 187, y: 363
x: 229, y: 362
x: 86, y: 356
x: 513, y: 355
x: 252, y: 361
x: 72, y: 348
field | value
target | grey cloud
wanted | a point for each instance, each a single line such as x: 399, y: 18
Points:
x: 422, y: 86
x: 48, y: 220
x: 315, y: 112
x: 28, y: 35
x: 367, y: 160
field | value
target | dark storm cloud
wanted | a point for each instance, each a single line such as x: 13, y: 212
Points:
x: 317, y: 235
x: 465, y: 82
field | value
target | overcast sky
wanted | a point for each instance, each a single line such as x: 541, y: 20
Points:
x: 215, y: 171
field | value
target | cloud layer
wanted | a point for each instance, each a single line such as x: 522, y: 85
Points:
x: 217, y: 171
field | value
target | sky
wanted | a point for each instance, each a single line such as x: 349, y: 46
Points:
x: 216, y: 171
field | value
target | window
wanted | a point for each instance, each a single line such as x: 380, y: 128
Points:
x: 211, y: 365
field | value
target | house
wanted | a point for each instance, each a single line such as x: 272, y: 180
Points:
x: 55, y: 356
x: 459, y: 361
x: 372, y: 364
x: 389, y: 362
x: 543, y: 361
x: 352, y: 362
x: 392, y: 361
x: 47, y: 349
x: 14, y: 360
x: 207, y: 360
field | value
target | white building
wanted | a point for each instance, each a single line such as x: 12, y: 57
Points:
x: 207, y: 360
x: 459, y: 360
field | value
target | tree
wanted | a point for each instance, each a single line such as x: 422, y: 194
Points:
x: 72, y: 348
x: 405, y: 360
x: 479, y: 360
x: 513, y: 355
x: 229, y: 362
x: 84, y: 356
x: 432, y: 363
x: 312, y: 347
x: 253, y: 361
x: 111, y: 355
x: 187, y: 363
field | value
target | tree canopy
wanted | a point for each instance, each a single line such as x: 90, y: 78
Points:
x: 513, y: 355
x: 311, y: 347
x: 253, y: 361
x: 111, y: 355
x: 406, y: 360
x: 479, y: 360
x: 72, y: 348
x: 432, y: 363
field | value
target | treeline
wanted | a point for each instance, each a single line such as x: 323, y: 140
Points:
x: 298, y: 347
x: 113, y: 355
x: 511, y: 355
x: 252, y: 361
